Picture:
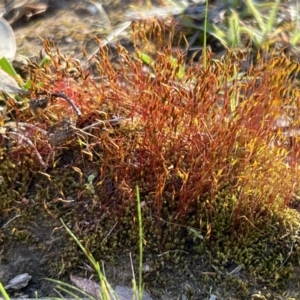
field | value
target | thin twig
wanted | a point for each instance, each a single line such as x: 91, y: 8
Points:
x: 172, y: 251
x: 29, y: 142
x: 69, y: 100
x: 112, y: 36
x: 23, y: 124
x: 115, y: 120
x: 17, y: 216
x: 132, y: 267
x: 286, y: 259
x: 105, y: 238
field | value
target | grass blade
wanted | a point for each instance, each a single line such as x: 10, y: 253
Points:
x: 61, y: 283
x: 205, y: 33
x: 234, y: 29
x: 256, y: 15
x: 7, y: 67
x: 272, y: 17
x: 3, y: 292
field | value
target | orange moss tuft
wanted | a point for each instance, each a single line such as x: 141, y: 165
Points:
x: 182, y: 136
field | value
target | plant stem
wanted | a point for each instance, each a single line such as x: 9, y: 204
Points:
x: 140, y: 289
x: 205, y: 37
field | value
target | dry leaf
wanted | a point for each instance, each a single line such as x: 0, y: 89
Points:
x: 87, y: 285
x: 8, y: 48
x: 93, y: 289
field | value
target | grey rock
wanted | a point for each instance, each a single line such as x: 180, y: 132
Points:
x: 18, y: 282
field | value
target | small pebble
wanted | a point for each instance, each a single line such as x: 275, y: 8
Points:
x: 18, y: 282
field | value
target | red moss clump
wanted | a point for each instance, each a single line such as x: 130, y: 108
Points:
x: 181, y: 136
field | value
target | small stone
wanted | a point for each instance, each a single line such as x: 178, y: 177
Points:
x: 18, y: 282
x: 147, y: 268
x: 125, y: 293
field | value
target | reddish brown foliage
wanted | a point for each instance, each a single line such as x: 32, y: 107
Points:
x: 182, y: 138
